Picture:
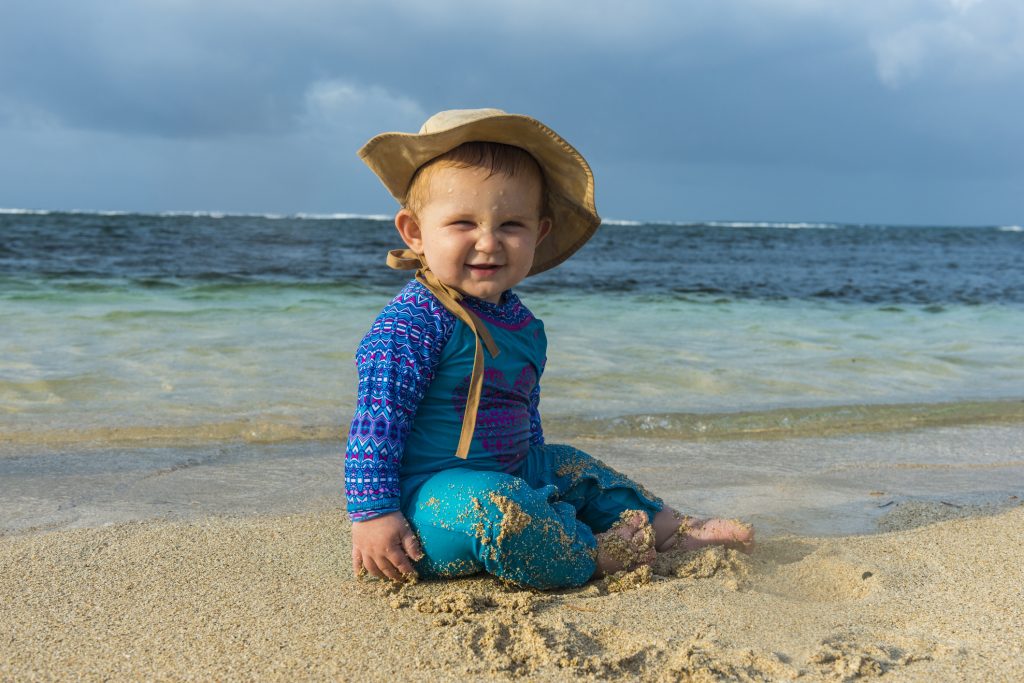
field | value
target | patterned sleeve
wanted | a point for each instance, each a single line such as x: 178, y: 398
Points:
x: 396, y: 362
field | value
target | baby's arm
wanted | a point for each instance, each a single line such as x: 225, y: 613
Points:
x: 396, y: 362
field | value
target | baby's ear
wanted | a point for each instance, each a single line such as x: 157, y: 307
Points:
x: 545, y: 228
x: 409, y: 228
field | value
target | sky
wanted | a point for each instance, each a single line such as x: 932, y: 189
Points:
x: 855, y: 111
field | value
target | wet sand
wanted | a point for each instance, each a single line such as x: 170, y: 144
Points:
x: 938, y: 595
x: 810, y: 486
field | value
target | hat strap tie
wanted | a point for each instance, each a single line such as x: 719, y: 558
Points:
x: 451, y: 299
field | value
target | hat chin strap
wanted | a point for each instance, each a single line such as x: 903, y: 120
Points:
x: 451, y: 299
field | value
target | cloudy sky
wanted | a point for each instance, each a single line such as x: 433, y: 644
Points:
x: 883, y: 111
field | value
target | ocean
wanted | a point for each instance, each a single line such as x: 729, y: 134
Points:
x: 134, y: 346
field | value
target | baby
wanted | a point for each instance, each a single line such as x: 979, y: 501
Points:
x: 446, y: 470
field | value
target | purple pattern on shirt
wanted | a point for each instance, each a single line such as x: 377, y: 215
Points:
x: 536, y: 430
x: 511, y: 314
x: 504, y: 419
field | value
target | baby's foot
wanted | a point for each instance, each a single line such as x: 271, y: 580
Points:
x: 693, y: 533
x: 627, y: 545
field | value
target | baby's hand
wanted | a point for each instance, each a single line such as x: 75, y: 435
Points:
x: 383, y: 546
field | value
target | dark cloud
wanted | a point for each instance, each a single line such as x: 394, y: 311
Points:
x: 738, y: 101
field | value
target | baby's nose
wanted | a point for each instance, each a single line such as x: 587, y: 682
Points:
x: 486, y: 240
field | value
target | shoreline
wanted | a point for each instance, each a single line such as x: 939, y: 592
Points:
x: 271, y: 597
x: 790, y: 422
x: 817, y: 486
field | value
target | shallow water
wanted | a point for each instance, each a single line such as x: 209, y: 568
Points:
x: 273, y: 363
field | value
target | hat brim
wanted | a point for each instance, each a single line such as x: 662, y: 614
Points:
x: 395, y: 158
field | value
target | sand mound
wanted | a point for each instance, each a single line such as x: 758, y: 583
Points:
x: 828, y: 574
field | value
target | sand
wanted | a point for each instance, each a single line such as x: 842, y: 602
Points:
x: 932, y: 598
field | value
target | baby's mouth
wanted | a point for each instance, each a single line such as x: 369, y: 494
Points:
x: 483, y: 267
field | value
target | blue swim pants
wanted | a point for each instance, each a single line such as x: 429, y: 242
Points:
x: 535, y: 527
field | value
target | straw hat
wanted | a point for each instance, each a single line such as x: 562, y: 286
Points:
x: 395, y: 157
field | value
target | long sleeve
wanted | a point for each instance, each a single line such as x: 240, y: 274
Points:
x: 396, y: 362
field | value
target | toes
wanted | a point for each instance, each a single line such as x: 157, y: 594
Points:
x: 628, y: 544
x: 742, y: 536
x: 643, y: 538
x: 634, y: 518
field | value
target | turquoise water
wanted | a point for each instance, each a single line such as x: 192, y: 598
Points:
x: 267, y: 362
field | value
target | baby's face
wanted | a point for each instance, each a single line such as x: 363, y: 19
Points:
x: 478, y: 233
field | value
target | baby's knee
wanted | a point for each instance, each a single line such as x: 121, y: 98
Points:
x: 497, y: 522
x: 461, y: 514
x: 535, y: 541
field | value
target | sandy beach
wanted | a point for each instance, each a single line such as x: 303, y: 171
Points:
x: 938, y: 597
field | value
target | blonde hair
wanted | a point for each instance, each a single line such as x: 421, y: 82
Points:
x: 495, y: 157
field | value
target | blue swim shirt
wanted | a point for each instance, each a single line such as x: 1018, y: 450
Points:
x: 414, y: 368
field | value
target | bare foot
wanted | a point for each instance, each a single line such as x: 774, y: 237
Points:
x: 689, y: 533
x: 627, y: 545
